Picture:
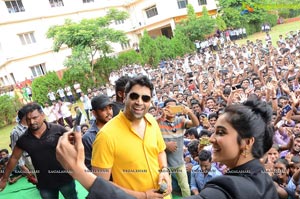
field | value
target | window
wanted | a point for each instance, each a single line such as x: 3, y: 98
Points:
x: 56, y: 3
x: 27, y: 38
x: 151, y: 12
x: 125, y: 45
x: 38, y: 70
x: 6, y: 80
x: 2, y: 83
x: 202, y: 2
x: 182, y: 3
x: 12, y: 77
x: 15, y: 6
x: 87, y: 1
x: 117, y: 22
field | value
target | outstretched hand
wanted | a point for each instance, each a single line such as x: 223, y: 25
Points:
x: 70, y: 152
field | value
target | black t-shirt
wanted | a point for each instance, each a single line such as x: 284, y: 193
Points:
x: 117, y: 107
x: 42, y: 151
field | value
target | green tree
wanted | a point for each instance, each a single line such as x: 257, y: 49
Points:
x: 89, y: 35
x: 103, y: 68
x: 79, y: 60
x: 129, y: 57
x: 196, y: 28
x: 149, y: 50
x: 181, y: 44
x: 9, y: 107
x: 41, y: 86
x: 233, y: 15
x: 220, y: 23
x: 86, y: 80
x: 164, y: 45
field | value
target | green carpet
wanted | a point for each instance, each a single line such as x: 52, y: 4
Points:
x: 22, y: 189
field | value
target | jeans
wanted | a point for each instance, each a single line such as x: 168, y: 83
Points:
x: 67, y: 190
x: 182, y: 179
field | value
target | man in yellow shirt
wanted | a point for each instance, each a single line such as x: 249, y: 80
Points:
x: 131, y: 147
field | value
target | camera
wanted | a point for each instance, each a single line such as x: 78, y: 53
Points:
x: 3, y: 161
x: 204, y: 141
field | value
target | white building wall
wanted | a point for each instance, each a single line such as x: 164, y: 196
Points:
x: 39, y: 16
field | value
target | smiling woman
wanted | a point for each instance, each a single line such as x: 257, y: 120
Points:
x: 243, y: 135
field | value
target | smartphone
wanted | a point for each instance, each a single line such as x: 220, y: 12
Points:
x: 224, y: 71
x: 176, y: 109
x: 280, y: 123
x: 204, y: 141
x: 77, y: 122
x: 235, y: 87
x: 286, y: 109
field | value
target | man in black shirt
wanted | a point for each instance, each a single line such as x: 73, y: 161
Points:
x: 40, y: 141
x: 118, y: 105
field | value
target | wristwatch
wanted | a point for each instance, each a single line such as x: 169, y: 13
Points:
x: 165, y: 170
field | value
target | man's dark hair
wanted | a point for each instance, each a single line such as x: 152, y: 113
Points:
x: 205, y: 155
x: 193, y: 131
x: 168, y: 100
x: 213, y: 115
x: 210, y: 98
x: 194, y: 101
x: 255, y: 78
x: 121, y: 83
x: 204, y: 132
x: 30, y: 107
x: 4, y: 150
x: 193, y: 147
x: 21, y: 113
x: 139, y: 80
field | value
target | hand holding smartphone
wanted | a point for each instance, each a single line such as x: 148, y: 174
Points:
x: 176, y: 109
x: 77, y: 127
x: 236, y: 87
x: 285, y: 110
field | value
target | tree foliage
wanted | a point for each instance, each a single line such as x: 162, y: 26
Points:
x: 41, y: 86
x: 86, y: 80
x: 149, y: 50
x: 233, y: 13
x: 103, y: 68
x: 90, y: 35
x: 197, y: 28
x: 9, y: 107
x: 129, y: 57
x: 164, y: 45
x: 220, y: 23
x: 181, y: 44
x: 79, y: 60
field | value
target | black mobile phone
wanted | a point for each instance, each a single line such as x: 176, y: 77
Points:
x: 286, y: 109
x: 235, y: 87
x: 77, y: 122
x: 224, y: 71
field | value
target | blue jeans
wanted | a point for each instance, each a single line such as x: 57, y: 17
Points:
x: 67, y: 190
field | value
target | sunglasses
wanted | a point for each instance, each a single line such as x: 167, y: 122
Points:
x: 135, y: 96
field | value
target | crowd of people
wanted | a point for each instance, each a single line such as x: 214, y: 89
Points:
x: 219, y: 123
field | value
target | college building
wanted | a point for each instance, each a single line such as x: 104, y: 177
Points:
x: 26, y: 53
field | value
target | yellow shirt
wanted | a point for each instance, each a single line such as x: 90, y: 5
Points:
x: 134, y: 161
